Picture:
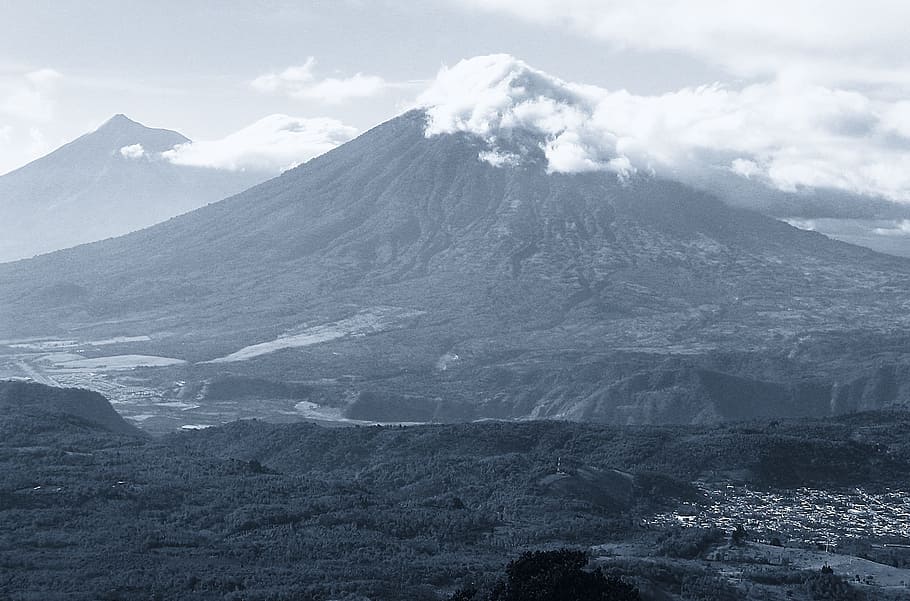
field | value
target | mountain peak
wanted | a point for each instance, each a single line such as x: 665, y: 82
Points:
x: 506, y: 103
x: 120, y: 130
x: 119, y: 122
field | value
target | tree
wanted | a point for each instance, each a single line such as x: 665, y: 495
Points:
x: 559, y: 576
x: 738, y: 535
x: 825, y: 585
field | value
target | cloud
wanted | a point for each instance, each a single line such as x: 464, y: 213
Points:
x: 21, y: 144
x: 333, y: 90
x: 497, y: 158
x: 43, y: 77
x: 290, y: 79
x: 803, y: 224
x: 492, y: 96
x: 894, y: 228
x: 745, y: 167
x: 37, y: 144
x: 272, y: 144
x: 301, y: 83
x: 134, y: 151
x: 896, y: 119
x: 788, y: 133
x: 825, y: 42
x: 29, y: 96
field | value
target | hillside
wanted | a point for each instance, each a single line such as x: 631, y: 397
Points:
x: 52, y: 411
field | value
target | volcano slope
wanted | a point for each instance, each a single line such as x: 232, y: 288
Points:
x: 409, y: 280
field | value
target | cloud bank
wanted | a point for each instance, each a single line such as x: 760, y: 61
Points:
x: 786, y: 132
x: 826, y: 42
x: 300, y: 82
x: 272, y: 144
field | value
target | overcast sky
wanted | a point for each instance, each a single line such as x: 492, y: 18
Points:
x: 802, y: 92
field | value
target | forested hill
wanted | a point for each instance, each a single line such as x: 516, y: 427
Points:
x: 300, y: 511
x: 48, y: 409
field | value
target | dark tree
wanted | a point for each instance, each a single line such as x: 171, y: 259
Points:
x: 738, y: 536
x: 828, y: 586
x: 464, y: 594
x: 559, y: 576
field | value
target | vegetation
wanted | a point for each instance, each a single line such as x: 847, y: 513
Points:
x: 688, y: 543
x: 553, y: 576
x: 259, y: 511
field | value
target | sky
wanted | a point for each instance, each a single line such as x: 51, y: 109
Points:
x: 800, y: 93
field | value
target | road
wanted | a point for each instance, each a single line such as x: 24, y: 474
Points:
x: 36, y: 375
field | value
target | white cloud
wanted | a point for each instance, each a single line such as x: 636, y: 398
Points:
x: 301, y: 83
x: 490, y: 96
x: 815, y: 98
x: 21, y: 144
x: 896, y: 119
x: 43, y: 77
x: 787, y: 132
x: 745, y: 168
x: 499, y: 159
x: 37, y: 144
x: 333, y: 90
x: 290, y: 79
x: 134, y: 151
x: 803, y: 224
x: 895, y: 228
x: 826, y: 42
x: 272, y: 144
x: 29, y: 96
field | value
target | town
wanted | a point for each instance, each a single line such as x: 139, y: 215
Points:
x: 799, y: 517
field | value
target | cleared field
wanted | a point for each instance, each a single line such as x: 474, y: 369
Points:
x: 367, y: 321
x: 119, y: 362
x: 852, y: 568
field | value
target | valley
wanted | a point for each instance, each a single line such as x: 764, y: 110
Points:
x: 154, y: 393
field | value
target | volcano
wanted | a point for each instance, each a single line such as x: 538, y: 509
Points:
x: 106, y: 183
x: 406, y: 276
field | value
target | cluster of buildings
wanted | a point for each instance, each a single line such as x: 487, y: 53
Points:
x: 802, y: 516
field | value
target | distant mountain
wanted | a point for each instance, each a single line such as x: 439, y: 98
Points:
x: 104, y: 184
x: 873, y: 222
x: 808, y: 203
x: 50, y: 408
x: 405, y: 278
